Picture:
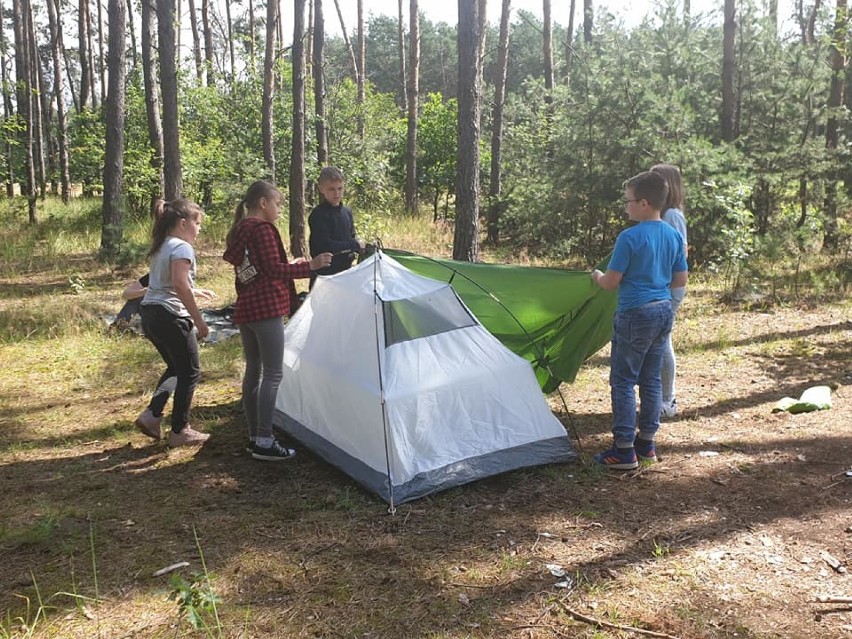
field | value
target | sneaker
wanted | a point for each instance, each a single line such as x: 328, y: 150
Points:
x: 275, y: 452
x: 187, y: 437
x: 645, y: 450
x: 669, y: 410
x: 149, y: 424
x: 618, y: 458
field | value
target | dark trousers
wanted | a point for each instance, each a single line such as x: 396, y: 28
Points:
x: 175, y: 340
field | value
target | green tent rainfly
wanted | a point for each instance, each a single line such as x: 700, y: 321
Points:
x: 553, y: 318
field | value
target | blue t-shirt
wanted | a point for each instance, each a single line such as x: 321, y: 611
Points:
x: 647, y: 255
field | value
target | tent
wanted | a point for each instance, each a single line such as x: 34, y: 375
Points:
x: 391, y: 378
x: 553, y: 318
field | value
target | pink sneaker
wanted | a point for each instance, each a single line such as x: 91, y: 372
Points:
x: 149, y: 425
x: 187, y: 437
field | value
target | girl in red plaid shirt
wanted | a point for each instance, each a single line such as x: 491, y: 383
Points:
x: 265, y: 294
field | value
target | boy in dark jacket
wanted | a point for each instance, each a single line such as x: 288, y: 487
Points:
x: 332, y: 225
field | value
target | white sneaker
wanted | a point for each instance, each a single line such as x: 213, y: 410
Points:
x: 669, y: 410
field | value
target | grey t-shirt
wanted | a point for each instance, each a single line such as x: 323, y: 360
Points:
x: 161, y: 290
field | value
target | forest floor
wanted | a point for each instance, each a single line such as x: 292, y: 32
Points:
x: 738, y: 530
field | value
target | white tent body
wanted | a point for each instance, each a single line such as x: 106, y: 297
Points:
x: 389, y: 377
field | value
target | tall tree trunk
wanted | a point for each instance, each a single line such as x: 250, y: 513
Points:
x: 347, y: 41
x: 772, y: 15
x: 20, y: 11
x: 101, y: 55
x: 83, y: 48
x: 413, y: 89
x: 267, y: 124
x: 251, y: 35
x: 687, y: 12
x: 54, y: 18
x: 728, y: 70
x: 36, y: 105
x: 152, y: 94
x: 495, y: 186
x: 92, y: 78
x: 362, y: 71
x: 588, y: 20
x: 196, y: 43
x: 319, y: 84
x: 548, y: 70
x: 231, y: 44
x: 131, y: 26
x: 400, y: 38
x: 7, y: 108
x: 835, y: 102
x: 810, y: 39
x: 113, y: 206
x: 297, y: 159
x: 569, y: 41
x: 466, y: 238
x: 209, y: 60
x: 171, y: 128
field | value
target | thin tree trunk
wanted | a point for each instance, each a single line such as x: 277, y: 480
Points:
x: 7, y: 107
x: 196, y: 43
x: 728, y: 70
x: 55, y: 23
x: 773, y: 15
x: 208, y: 42
x: 231, y: 43
x: 362, y: 71
x: 569, y: 41
x: 588, y: 20
x: 319, y: 84
x: 68, y: 67
x: 131, y: 26
x: 548, y: 69
x: 92, y: 79
x: 172, y: 177
x: 251, y: 34
x: 152, y: 97
x: 347, y: 41
x: 400, y: 38
x: 36, y: 105
x: 495, y: 186
x: 810, y: 39
x: 297, y: 160
x: 101, y: 55
x: 267, y: 125
x: 113, y: 206
x: 411, y: 196
x: 466, y: 238
x: 832, y: 132
x: 83, y: 44
x: 20, y: 11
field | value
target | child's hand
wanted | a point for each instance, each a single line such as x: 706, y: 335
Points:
x: 204, y: 293
x: 361, y: 244
x: 596, y: 275
x: 321, y: 261
x: 203, y: 330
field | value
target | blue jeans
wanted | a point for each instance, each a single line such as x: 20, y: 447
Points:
x: 638, y: 338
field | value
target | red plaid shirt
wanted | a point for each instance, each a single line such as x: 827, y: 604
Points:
x: 270, y: 293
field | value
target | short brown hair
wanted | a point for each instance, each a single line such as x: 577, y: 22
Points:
x: 649, y: 186
x: 331, y: 174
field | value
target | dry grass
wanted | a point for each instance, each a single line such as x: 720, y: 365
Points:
x: 697, y: 546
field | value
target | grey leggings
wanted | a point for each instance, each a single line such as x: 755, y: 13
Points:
x: 263, y: 350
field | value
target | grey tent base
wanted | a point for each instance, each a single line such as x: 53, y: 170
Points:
x: 548, y: 451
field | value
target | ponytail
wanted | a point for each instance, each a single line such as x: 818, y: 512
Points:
x: 256, y: 191
x: 166, y: 216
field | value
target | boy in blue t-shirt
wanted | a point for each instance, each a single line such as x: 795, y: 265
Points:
x: 647, y: 262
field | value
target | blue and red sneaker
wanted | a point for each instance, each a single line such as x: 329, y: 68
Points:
x: 645, y: 450
x: 618, y: 458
